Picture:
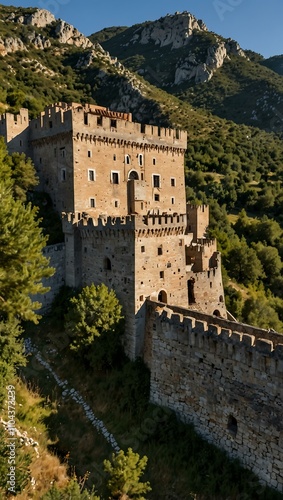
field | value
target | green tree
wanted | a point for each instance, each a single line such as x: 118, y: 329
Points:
x: 268, y: 231
x: 125, y: 471
x: 23, y: 175
x: 17, y: 171
x: 242, y: 264
x: 258, y: 310
x: 270, y: 260
x: 22, y: 264
x: 94, y: 312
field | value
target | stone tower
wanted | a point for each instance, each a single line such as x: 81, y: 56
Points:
x: 121, y: 186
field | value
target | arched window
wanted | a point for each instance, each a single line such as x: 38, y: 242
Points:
x: 107, y: 264
x: 216, y: 313
x: 162, y: 296
x: 221, y: 298
x: 127, y: 159
x: 133, y: 175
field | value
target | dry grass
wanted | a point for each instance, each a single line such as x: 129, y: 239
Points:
x: 45, y: 471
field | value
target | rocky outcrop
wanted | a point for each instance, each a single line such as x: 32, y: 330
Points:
x: 10, y: 44
x: 66, y: 33
x: 175, y: 30
x: 88, y: 58
x: 200, y: 72
x: 234, y: 48
x: 39, y: 41
x: 39, y: 18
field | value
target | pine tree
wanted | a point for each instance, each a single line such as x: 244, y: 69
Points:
x: 125, y: 471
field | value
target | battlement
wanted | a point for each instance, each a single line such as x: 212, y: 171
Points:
x: 227, y: 383
x: 131, y: 222
x: 240, y: 330
x: 21, y: 118
x: 202, y: 245
x: 92, y: 122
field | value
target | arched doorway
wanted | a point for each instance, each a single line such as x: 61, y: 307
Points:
x: 216, y: 313
x: 133, y: 175
x: 162, y: 297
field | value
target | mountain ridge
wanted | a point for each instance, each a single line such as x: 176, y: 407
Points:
x: 185, y: 62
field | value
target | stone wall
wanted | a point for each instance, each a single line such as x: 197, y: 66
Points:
x: 56, y: 254
x: 228, y: 384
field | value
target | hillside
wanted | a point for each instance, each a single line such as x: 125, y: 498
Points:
x: 178, y: 53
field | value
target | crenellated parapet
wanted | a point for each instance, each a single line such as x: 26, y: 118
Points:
x: 227, y: 383
x: 213, y: 338
x: 143, y: 226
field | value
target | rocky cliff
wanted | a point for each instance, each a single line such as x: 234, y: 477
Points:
x: 174, y: 30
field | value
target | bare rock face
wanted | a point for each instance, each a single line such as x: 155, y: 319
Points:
x: 174, y: 30
x: 202, y: 72
x: 40, y: 18
x: 70, y: 35
x: 10, y: 44
x: 39, y: 41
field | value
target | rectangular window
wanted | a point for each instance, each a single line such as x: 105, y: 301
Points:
x: 115, y: 177
x: 89, y: 154
x: 92, y: 202
x: 142, y: 249
x: 156, y: 197
x: 99, y: 121
x: 116, y: 203
x: 159, y: 251
x: 86, y: 119
x: 91, y: 175
x: 173, y: 201
x: 63, y: 174
x: 173, y: 181
x: 113, y: 123
x: 161, y: 274
x: 156, y: 181
x: 153, y: 161
x: 62, y: 152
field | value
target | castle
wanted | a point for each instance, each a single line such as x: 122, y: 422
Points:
x: 120, y: 186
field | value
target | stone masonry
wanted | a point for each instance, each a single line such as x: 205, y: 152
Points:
x: 227, y: 383
x: 120, y: 187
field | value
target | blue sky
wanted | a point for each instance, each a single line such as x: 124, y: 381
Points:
x: 255, y: 24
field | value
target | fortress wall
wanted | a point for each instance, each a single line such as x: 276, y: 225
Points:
x: 53, y: 160
x: 229, y: 385
x: 56, y: 254
x: 103, y: 122
x: 208, y: 290
x: 107, y: 256
x: 241, y: 328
